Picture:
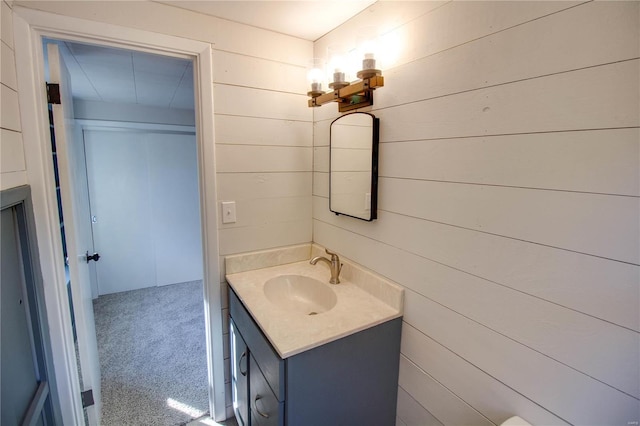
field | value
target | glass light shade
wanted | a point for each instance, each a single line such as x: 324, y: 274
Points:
x: 315, y: 75
x: 337, y: 71
x: 367, y: 42
x: 369, y: 47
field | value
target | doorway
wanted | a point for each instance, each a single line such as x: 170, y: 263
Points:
x: 136, y: 188
x: 30, y: 27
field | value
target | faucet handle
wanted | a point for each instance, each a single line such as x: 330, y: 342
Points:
x: 333, y: 255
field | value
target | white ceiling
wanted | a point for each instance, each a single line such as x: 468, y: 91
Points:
x: 306, y: 19
x: 123, y: 76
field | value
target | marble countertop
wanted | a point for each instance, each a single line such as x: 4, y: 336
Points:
x: 292, y: 333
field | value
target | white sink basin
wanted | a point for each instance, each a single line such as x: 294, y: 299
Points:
x: 300, y: 294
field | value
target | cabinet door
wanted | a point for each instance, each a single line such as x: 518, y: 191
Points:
x: 239, y: 375
x: 265, y: 408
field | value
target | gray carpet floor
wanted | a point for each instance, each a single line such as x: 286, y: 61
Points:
x: 151, y: 344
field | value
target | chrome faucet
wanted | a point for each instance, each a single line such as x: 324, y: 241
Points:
x: 334, y: 265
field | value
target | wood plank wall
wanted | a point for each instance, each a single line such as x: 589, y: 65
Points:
x: 263, y: 127
x: 508, y: 207
x: 13, y: 171
x: 264, y: 137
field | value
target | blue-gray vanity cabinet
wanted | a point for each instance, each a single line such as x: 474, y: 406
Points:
x: 350, y: 381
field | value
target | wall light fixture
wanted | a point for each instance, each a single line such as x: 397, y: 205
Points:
x: 348, y: 95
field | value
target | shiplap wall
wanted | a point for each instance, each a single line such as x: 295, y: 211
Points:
x: 263, y: 127
x: 12, y: 163
x: 508, y: 207
x: 264, y: 138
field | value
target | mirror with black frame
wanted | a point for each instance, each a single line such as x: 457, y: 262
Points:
x: 353, y: 165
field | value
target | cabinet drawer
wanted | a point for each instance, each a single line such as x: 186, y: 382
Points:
x: 268, y: 361
x: 265, y: 409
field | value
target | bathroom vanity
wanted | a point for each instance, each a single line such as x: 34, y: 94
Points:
x: 334, y: 363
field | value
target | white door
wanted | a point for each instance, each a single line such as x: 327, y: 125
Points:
x: 75, y: 207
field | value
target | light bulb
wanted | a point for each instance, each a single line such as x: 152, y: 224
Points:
x: 336, y: 68
x: 315, y: 75
x: 368, y: 47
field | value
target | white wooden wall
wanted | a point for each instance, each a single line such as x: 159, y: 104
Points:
x: 263, y: 147
x: 13, y: 170
x: 263, y: 127
x: 508, y: 208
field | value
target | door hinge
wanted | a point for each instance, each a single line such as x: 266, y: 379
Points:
x: 87, y: 398
x: 53, y: 93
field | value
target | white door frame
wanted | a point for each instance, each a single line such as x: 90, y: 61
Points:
x: 29, y: 28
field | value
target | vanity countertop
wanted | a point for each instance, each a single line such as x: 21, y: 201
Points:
x: 291, y: 333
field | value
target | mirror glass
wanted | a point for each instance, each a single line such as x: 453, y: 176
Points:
x: 353, y: 167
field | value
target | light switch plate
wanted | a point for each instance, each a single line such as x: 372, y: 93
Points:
x: 228, y: 212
